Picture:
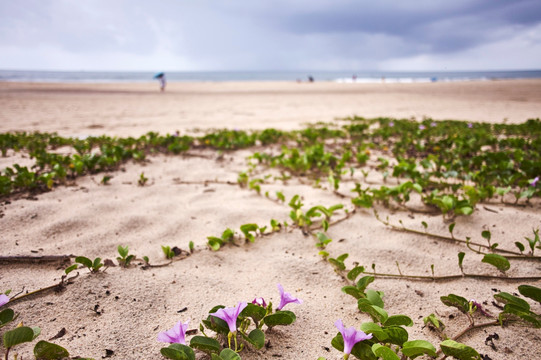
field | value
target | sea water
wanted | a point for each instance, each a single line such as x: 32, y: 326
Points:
x: 300, y: 76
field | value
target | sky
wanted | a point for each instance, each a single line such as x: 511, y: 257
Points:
x: 260, y: 35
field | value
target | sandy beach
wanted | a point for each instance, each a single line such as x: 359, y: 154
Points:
x: 133, y: 109
x: 195, y: 195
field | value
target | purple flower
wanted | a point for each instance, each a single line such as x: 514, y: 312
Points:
x: 259, y: 301
x: 286, y: 298
x: 534, y: 181
x: 229, y: 315
x: 175, y: 335
x: 391, y: 124
x: 351, y: 337
x: 470, y: 125
x: 479, y: 307
x: 422, y: 127
x: 433, y: 124
x: 4, y: 299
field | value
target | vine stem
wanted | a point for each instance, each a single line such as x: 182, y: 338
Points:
x: 62, y: 283
x: 455, y: 277
x: 468, y: 329
x: 453, y: 239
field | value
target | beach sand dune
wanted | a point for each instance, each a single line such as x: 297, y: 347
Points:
x: 192, y: 196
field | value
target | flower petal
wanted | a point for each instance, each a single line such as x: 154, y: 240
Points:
x: 4, y: 299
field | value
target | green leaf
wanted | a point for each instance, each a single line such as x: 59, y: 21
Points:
x: 364, y: 282
x: 282, y: 317
x: 507, y: 298
x: 384, y: 352
x: 323, y: 238
x: 84, y: 261
x: 460, y: 259
x: 205, y: 344
x: 48, y: 351
x: 399, y: 320
x: 374, y: 329
x: 215, y: 243
x: 254, y: 311
x: 464, y: 210
x: 456, y: 301
x: 433, y: 319
x: 123, y: 250
x: 6, y: 316
x: 228, y: 354
x: 323, y: 253
x: 498, y: 261
x: 248, y: 227
x: 256, y: 337
x: 173, y: 354
x: 520, y: 246
x: 522, y: 313
x: 97, y: 264
x: 339, y: 265
x: 458, y: 350
x: 228, y: 234
x: 486, y: 234
x: 342, y: 257
x: 531, y: 292
x: 247, y: 230
x: 178, y: 352
x: 356, y: 271
x: 415, y: 348
x: 397, y: 335
x: 376, y: 313
x: 353, y: 291
x: 451, y: 227
x: 71, y: 268
x: 215, y: 357
x: 375, y: 298
x: 19, y: 335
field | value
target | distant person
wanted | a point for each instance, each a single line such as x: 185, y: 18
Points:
x: 354, y: 77
x: 310, y: 78
x: 162, y: 83
x: 161, y: 77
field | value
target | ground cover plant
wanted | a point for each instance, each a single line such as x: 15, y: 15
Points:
x: 444, y: 169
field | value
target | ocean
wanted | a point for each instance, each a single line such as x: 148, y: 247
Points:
x: 221, y: 76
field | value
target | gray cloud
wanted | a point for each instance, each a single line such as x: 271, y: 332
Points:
x: 251, y: 35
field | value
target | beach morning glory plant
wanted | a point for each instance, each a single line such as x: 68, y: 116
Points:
x: 175, y: 335
x: 286, y: 298
x: 230, y: 315
x: 259, y: 301
x: 351, y: 337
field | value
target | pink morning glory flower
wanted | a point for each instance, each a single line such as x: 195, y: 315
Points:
x: 433, y: 124
x: 259, y: 301
x: 422, y: 127
x: 535, y: 181
x: 175, y: 335
x: 286, y: 298
x: 391, y: 124
x: 230, y: 315
x: 351, y: 337
x: 470, y: 125
x: 479, y: 307
x: 3, y: 299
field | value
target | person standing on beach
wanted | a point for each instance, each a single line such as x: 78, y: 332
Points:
x: 162, y: 83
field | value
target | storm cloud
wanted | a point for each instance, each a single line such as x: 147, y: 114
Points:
x: 270, y: 35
